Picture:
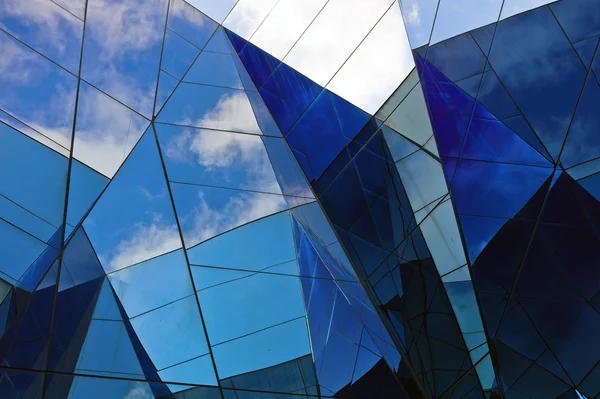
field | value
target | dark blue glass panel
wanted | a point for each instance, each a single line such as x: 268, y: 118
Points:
x: 579, y: 18
x: 352, y: 119
x: 296, y: 89
x: 519, y: 125
x: 543, y: 74
x: 448, y: 99
x: 259, y: 64
x: 478, y: 232
x: 278, y: 109
x: 263, y: 116
x: 489, y: 189
x: 484, y: 36
x: 344, y: 201
x: 237, y: 42
x: 586, y: 49
x: 450, y: 133
x: 21, y: 384
x: 40, y: 267
x: 457, y: 58
x: 320, y: 132
x: 583, y: 142
x: 290, y: 178
x: 492, y: 141
x: 592, y: 185
x: 495, y: 98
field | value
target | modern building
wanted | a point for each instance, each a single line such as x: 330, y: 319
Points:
x: 269, y: 199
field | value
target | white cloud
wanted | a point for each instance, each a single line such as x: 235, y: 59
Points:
x: 232, y: 112
x: 139, y: 392
x: 413, y: 16
x: 147, y: 240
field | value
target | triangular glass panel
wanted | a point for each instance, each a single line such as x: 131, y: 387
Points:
x: 214, y: 69
x: 166, y: 86
x: 219, y: 43
x: 85, y: 187
x: 178, y: 55
x: 134, y: 220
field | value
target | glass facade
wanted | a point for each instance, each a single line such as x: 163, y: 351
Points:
x: 279, y: 199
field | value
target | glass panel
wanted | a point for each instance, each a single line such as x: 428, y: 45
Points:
x: 381, y: 62
x: 247, y: 15
x: 210, y: 107
x: 330, y: 40
x: 46, y: 27
x: 205, y: 212
x: 285, y: 24
x: 134, y: 219
x: 106, y: 131
x: 458, y: 16
x: 214, y: 69
x: 122, y: 49
x: 217, y: 10
x: 419, y: 16
x: 218, y: 159
x: 37, y: 92
x: 190, y: 24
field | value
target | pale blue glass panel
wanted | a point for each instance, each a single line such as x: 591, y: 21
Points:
x: 84, y: 188
x: 16, y: 215
x: 205, y: 212
x: 134, y: 220
x: 191, y: 24
x: 216, y: 158
x: 152, y: 283
x: 250, y: 304
x: 122, y: 48
x: 157, y: 331
x: 423, y: 179
x: 98, y: 388
x: 32, y: 175
x: 198, y: 371
x: 46, y: 27
x: 254, y: 246
x: 458, y: 16
x: 214, y: 69
x: 210, y: 107
x: 36, y: 91
x: 264, y: 349
x: 106, y: 131
x: 107, y: 350
x: 19, y: 250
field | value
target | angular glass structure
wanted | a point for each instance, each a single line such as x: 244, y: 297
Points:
x: 263, y: 199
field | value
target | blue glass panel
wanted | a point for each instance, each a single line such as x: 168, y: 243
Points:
x: 48, y: 28
x: 104, y: 139
x: 457, y: 58
x: 321, y: 134
x: 210, y: 107
x: 205, y: 212
x: 32, y: 175
x: 255, y: 246
x: 191, y: 24
x: 297, y: 90
x: 214, y: 69
x: 492, y: 141
x: 464, y: 304
x: 352, y: 119
x: 246, y: 80
x: 278, y: 109
x: 166, y: 86
x: 196, y: 371
x: 84, y: 188
x: 582, y: 144
x: 450, y: 133
x: 12, y: 213
x: 178, y: 55
x: 487, y: 189
x: 38, y: 269
x: 153, y: 283
x: 216, y: 158
x: 263, y: 116
x: 344, y: 201
x: 21, y: 384
x: 219, y: 43
x: 19, y: 250
x: 126, y: 51
x: 156, y: 329
x: 106, y: 305
x: 134, y: 220
x: 495, y: 98
x: 586, y: 49
x: 579, y: 18
x: 98, y: 388
x: 543, y: 74
x: 259, y: 64
x: 249, y: 306
x: 291, y: 180
x: 520, y: 126
x: 478, y: 232
x: 592, y: 185
x: 264, y: 349
x: 237, y: 42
